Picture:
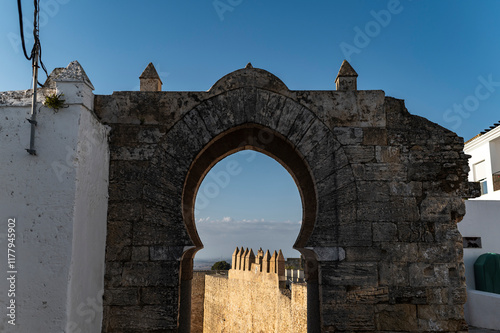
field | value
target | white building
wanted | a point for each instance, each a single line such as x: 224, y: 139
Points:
x: 485, y: 162
x: 480, y: 227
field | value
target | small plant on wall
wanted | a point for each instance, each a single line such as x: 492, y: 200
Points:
x: 54, y: 101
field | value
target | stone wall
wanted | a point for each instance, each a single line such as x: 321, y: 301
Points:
x: 382, y: 192
x: 240, y: 305
x: 198, y: 300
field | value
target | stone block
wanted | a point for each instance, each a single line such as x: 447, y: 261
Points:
x: 196, y: 124
x: 150, y: 134
x: 436, y: 252
x: 398, y: 209
x: 121, y: 296
x: 113, y: 274
x: 349, y: 318
x: 408, y: 295
x: 314, y: 139
x: 168, y: 253
x: 124, y: 134
x: 288, y: 115
x: 393, y: 274
x: 334, y: 253
x: 372, y: 295
x: 380, y: 171
x: 399, y: 252
x: 145, y: 274
x: 349, y: 274
x: 348, y: 135
x: 355, y: 234
x: 374, y: 136
x: 387, y: 154
x: 211, y: 119
x: 301, y: 124
x: 140, y: 253
x: 135, y: 319
x: 448, y: 318
x: 363, y: 253
x: 417, y: 231
x: 126, y: 191
x: 344, y: 177
x: 403, y: 189
x: 118, y: 240
x: 360, y: 154
x: 125, y: 171
x: 385, y: 232
x: 132, y: 153
x: 441, y: 295
x: 268, y: 108
x: 369, y: 191
x: 396, y: 317
x: 158, y: 295
x: 429, y: 275
x: 435, y: 209
x: 124, y: 211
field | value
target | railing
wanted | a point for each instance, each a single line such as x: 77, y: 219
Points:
x: 496, y: 181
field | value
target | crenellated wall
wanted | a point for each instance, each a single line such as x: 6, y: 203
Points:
x: 252, y: 299
x: 263, y: 267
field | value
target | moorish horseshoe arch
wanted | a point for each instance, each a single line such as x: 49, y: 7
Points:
x: 380, y: 207
x: 308, y: 134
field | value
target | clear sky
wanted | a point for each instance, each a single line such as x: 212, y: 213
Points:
x: 441, y: 57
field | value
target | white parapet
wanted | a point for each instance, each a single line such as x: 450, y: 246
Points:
x: 483, y: 309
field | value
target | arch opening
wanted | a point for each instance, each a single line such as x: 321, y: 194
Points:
x: 247, y: 199
x: 264, y: 140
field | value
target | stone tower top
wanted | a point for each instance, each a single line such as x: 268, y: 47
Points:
x: 150, y: 80
x: 346, y: 78
x: 72, y: 73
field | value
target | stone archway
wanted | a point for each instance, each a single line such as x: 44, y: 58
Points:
x: 382, y: 192
x: 261, y: 139
x: 299, y: 143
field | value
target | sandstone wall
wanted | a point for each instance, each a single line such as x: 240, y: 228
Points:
x: 238, y: 305
x: 197, y: 300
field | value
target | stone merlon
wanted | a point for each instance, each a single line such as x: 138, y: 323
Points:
x: 150, y: 80
x: 346, y: 78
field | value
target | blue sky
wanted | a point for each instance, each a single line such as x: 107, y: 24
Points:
x: 442, y: 57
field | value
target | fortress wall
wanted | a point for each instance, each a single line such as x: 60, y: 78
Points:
x: 197, y: 301
x: 237, y: 304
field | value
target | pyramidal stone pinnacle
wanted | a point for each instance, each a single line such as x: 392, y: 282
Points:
x: 150, y: 80
x: 346, y: 78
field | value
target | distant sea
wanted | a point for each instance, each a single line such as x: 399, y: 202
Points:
x: 206, y: 264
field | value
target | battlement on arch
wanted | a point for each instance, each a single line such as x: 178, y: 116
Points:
x: 261, y: 267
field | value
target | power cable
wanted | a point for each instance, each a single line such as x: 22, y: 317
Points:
x: 36, y: 44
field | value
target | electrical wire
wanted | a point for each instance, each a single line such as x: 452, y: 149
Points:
x: 36, y: 44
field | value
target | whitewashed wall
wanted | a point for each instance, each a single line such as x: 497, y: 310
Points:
x: 59, y: 201
x: 482, y: 219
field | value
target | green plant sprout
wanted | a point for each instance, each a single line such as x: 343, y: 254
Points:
x: 54, y: 101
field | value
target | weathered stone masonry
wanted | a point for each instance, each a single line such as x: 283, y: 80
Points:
x: 381, y: 189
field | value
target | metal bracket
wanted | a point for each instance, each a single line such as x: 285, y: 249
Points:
x: 33, y: 122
